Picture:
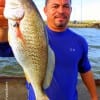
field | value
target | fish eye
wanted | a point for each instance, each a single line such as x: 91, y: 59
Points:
x: 16, y: 24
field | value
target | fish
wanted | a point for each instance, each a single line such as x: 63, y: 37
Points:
x: 28, y: 39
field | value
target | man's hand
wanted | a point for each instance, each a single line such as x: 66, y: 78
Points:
x: 94, y: 98
x: 90, y: 84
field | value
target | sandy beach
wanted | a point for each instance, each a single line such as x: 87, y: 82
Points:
x: 13, y: 88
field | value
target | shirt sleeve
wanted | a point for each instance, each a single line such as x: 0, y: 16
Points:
x: 84, y: 64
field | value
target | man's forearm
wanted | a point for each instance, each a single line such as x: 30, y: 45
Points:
x: 90, y: 84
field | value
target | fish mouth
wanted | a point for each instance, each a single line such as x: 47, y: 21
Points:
x: 13, y: 10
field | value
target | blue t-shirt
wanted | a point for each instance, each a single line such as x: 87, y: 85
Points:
x: 71, y: 54
x: 5, y: 50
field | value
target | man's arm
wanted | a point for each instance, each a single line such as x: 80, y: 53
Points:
x: 90, y: 84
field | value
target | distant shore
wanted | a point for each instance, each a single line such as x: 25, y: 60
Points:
x: 84, y: 24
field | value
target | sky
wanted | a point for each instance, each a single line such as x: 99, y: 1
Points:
x: 81, y: 9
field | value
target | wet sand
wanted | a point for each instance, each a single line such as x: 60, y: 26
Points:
x: 13, y: 88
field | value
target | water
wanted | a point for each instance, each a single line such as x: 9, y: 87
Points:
x: 92, y: 35
x: 9, y: 66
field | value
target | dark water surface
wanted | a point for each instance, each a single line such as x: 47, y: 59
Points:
x: 9, y: 66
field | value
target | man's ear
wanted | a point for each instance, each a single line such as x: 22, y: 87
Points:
x: 45, y: 10
x: 71, y: 9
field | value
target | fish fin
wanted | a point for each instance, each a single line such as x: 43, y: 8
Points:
x: 50, y: 68
x: 19, y: 35
x: 27, y: 77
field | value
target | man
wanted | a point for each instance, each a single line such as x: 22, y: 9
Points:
x: 5, y: 50
x: 71, y: 52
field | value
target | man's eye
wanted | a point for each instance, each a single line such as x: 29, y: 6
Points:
x: 55, y: 6
x: 66, y: 6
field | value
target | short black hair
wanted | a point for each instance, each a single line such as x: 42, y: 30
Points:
x: 46, y: 1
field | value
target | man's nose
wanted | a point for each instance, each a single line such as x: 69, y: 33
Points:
x: 60, y: 9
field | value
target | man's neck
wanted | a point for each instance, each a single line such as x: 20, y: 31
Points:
x: 58, y: 29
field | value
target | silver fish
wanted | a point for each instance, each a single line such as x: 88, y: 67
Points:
x: 29, y: 42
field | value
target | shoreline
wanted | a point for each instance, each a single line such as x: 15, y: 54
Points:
x: 86, y: 25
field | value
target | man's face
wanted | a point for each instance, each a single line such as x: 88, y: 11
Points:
x: 58, y: 13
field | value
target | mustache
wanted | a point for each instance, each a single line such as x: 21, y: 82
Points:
x: 61, y: 16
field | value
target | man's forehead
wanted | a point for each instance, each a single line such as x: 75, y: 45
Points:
x: 59, y: 1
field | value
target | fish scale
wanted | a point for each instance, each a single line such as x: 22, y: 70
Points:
x: 29, y: 43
